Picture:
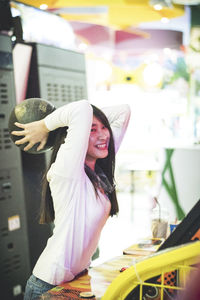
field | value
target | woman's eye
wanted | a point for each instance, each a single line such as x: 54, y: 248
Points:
x: 92, y: 130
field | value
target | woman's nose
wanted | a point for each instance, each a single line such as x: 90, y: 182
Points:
x: 102, y: 134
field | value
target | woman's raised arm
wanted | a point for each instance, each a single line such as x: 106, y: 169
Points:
x: 118, y: 117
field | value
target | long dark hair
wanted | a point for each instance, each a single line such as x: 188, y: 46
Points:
x: 106, y: 164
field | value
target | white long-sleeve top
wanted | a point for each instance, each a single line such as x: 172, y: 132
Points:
x: 79, y: 214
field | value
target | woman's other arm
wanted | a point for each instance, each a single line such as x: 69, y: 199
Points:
x: 118, y: 117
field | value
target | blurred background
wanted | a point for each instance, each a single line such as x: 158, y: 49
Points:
x: 142, y: 52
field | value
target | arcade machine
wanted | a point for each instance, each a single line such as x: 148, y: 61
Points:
x: 14, y: 252
x: 57, y: 75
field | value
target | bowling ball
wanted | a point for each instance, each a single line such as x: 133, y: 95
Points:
x: 30, y: 110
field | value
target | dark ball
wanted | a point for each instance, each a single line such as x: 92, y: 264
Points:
x: 27, y: 111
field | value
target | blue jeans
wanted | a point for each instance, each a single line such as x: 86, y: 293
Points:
x: 35, y: 287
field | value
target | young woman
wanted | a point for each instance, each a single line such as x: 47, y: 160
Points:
x: 79, y: 192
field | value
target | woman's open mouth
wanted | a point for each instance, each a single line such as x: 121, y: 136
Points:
x: 102, y: 146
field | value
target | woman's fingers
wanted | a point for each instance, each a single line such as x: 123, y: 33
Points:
x: 21, y: 141
x: 20, y: 125
x: 29, y: 146
x: 18, y: 132
x: 41, y: 146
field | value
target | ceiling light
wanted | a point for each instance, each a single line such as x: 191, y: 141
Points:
x: 164, y: 20
x: 43, y: 6
x: 158, y: 7
x: 159, y: 4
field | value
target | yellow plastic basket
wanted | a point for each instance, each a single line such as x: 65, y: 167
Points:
x: 180, y: 258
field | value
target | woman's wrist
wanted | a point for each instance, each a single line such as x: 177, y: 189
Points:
x: 44, y: 126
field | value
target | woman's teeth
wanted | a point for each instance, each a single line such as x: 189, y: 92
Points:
x: 101, y: 146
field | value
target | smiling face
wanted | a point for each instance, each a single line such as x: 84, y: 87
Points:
x: 98, y: 143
